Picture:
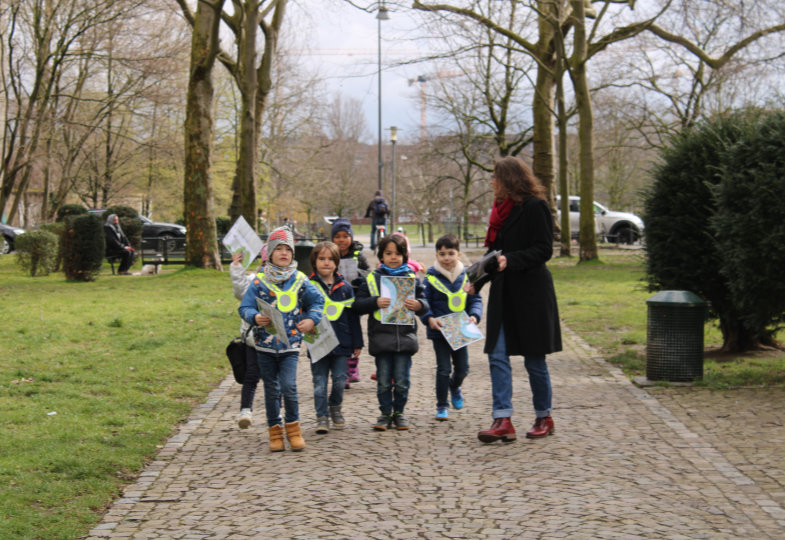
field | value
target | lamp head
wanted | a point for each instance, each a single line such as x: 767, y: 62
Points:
x: 383, y: 13
x: 393, y: 134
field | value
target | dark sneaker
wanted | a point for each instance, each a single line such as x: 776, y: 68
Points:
x: 322, y: 424
x: 401, y: 422
x: 383, y: 423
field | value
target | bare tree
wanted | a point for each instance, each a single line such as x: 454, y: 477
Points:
x: 198, y: 203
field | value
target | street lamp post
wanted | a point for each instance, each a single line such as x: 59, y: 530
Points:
x: 381, y: 15
x: 394, y: 213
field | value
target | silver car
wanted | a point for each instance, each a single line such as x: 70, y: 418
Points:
x: 610, y: 226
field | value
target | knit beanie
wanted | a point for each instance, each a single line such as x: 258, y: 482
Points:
x: 342, y: 224
x: 281, y: 235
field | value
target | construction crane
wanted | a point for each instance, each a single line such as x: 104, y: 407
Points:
x: 422, y: 80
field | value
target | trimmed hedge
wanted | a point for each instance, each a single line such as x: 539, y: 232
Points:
x: 36, y: 252
x: 83, y: 247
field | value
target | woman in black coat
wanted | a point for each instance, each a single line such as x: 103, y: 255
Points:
x: 523, y: 318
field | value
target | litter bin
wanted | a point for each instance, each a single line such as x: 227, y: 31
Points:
x: 674, y: 343
x: 302, y: 254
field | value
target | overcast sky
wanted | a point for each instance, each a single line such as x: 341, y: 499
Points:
x: 343, y: 42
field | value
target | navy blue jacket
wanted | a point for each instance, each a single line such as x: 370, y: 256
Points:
x: 438, y: 301
x: 347, y: 327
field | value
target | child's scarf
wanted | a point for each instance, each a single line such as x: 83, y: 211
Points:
x: 279, y: 274
x: 400, y: 271
x: 500, y: 211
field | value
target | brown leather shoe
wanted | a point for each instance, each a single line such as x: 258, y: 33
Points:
x: 500, y: 430
x: 542, y: 427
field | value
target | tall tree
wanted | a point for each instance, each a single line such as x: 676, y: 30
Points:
x: 198, y: 203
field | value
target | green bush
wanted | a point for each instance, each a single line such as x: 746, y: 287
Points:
x: 70, y: 210
x: 749, y: 226
x: 36, y: 252
x: 222, y: 225
x: 57, y: 229
x: 684, y: 249
x: 83, y: 247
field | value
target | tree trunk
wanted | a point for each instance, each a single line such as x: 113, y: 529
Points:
x: 198, y: 203
x: 244, y: 184
x: 542, y: 107
x: 587, y: 238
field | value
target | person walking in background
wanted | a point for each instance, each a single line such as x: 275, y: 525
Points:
x: 392, y: 345
x: 240, y: 283
x: 522, y: 317
x: 283, y: 287
x: 377, y: 210
x: 444, y: 293
x: 117, y: 244
x: 350, y: 249
x: 338, y: 298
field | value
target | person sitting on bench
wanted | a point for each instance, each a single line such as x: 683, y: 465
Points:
x: 117, y: 244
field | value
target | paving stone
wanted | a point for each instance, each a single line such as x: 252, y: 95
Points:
x: 625, y: 462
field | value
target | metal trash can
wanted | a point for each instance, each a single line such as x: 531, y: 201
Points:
x: 674, y: 343
x: 302, y: 254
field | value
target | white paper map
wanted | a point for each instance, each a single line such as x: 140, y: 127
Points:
x: 276, y: 327
x: 459, y: 330
x: 241, y: 237
x: 397, y: 289
x: 321, y: 341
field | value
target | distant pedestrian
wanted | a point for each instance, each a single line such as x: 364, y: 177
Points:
x: 522, y: 318
x: 338, y: 298
x: 350, y: 249
x: 281, y: 286
x: 444, y: 292
x: 377, y: 210
x: 392, y: 345
x: 117, y: 244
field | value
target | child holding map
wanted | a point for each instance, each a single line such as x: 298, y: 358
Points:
x: 391, y: 293
x: 338, y: 295
x: 283, y: 305
x: 444, y: 292
x: 351, y: 264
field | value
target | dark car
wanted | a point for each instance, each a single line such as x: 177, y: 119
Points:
x: 8, y: 234
x: 153, y: 229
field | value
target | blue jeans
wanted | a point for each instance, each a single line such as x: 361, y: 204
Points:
x: 501, y: 381
x: 251, y: 380
x: 279, y: 374
x: 335, y: 363
x: 393, y: 367
x: 459, y: 368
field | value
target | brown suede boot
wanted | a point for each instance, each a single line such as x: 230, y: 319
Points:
x: 276, y: 438
x: 295, y: 436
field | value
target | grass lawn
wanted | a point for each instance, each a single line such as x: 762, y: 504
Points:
x: 92, y: 377
x: 605, y: 302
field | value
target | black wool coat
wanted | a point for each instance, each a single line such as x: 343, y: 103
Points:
x: 522, y: 295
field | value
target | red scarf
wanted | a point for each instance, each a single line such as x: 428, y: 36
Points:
x: 499, y: 213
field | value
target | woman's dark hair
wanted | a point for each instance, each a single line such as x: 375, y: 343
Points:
x: 335, y: 254
x: 400, y: 244
x: 517, y: 179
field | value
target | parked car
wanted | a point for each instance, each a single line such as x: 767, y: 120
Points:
x: 611, y: 226
x: 153, y: 229
x: 8, y: 234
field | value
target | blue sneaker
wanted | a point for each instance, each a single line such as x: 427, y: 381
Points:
x: 457, y: 398
x: 442, y: 413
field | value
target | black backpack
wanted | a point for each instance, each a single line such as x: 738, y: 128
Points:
x: 380, y: 208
